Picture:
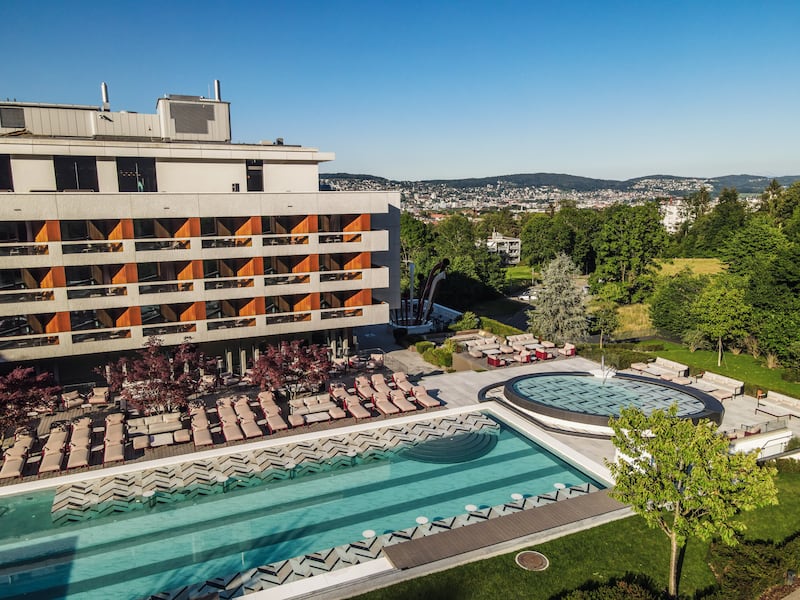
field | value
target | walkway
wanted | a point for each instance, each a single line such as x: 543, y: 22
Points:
x: 427, y: 550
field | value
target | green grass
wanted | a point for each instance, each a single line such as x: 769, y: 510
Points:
x: 498, y: 328
x: 596, y: 555
x: 521, y: 275
x: 778, y: 522
x: 634, y: 321
x: 742, y: 367
x: 698, y: 266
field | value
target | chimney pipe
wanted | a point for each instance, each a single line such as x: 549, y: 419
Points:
x: 217, y: 92
x: 104, y: 93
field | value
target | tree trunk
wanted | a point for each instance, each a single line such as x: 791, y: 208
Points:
x: 673, y: 566
x: 719, y: 352
x: 601, y: 339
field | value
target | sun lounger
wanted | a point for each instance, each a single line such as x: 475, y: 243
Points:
x: 402, y: 382
x: 398, y: 398
x: 337, y: 413
x: 383, y: 406
x: 52, y: 461
x: 251, y: 429
x: 422, y: 398
x: 276, y: 423
x: 244, y: 412
x: 355, y: 408
x: 270, y: 409
x: 202, y: 437
x: 380, y: 385
x: 296, y: 420
x: 56, y: 441
x: 79, y: 456
x: 113, y: 452
x: 231, y: 431
x: 12, y: 467
x: 367, y: 392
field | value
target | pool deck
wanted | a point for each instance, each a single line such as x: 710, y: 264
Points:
x: 458, y: 391
x: 455, y: 542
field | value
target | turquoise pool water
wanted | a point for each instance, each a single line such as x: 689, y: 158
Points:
x: 149, y: 551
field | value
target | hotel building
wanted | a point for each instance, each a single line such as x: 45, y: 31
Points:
x: 118, y: 226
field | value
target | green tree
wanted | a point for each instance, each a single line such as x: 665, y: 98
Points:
x: 502, y: 221
x: 629, y: 240
x: 535, y: 240
x: 710, y: 232
x: 606, y: 314
x: 560, y: 314
x: 681, y: 478
x: 416, y: 246
x: 750, y: 248
x: 696, y: 204
x: 721, y: 312
x: 672, y: 299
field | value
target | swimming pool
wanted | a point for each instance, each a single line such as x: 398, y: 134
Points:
x: 151, y: 550
x: 577, y: 398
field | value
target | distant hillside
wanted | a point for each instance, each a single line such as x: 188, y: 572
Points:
x: 557, y: 180
x: 746, y: 184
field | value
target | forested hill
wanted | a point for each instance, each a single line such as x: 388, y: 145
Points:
x: 743, y: 183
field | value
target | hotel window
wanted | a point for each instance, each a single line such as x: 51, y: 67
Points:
x: 6, y: 183
x: 255, y: 176
x: 75, y: 173
x: 137, y: 174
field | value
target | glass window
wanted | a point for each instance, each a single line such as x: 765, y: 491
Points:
x: 6, y: 183
x: 75, y: 173
x: 255, y: 176
x: 136, y: 174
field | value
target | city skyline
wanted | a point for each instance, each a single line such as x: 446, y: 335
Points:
x: 445, y: 90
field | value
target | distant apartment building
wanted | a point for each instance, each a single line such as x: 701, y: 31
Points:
x: 507, y: 247
x: 118, y: 226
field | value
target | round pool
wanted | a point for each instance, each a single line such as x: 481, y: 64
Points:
x: 583, y: 402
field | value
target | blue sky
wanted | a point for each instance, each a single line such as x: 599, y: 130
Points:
x: 421, y: 90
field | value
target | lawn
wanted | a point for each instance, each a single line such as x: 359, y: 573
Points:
x: 634, y: 321
x: 596, y: 555
x: 698, y: 266
x: 519, y: 275
x: 742, y: 367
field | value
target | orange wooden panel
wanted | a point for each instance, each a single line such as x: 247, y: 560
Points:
x: 360, y: 298
x: 305, y: 303
x: 127, y: 229
x: 57, y: 277
x: 59, y: 322
x: 360, y: 223
x: 307, y: 264
x: 185, y: 230
x: 51, y: 232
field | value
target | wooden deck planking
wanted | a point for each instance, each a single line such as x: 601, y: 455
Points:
x: 451, y: 543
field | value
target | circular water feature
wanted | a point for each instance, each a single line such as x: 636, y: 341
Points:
x: 581, y: 402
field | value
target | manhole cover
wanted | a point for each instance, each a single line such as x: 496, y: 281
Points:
x: 532, y: 561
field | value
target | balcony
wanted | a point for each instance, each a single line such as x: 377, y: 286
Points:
x: 228, y: 242
x: 229, y: 323
x: 287, y: 278
x: 285, y: 240
x: 168, y: 328
x: 297, y: 317
x: 90, y: 247
x: 340, y: 276
x: 24, y: 250
x: 29, y: 342
x: 166, y: 288
x: 341, y: 313
x: 97, y: 292
x: 229, y: 283
x: 151, y: 245
x: 100, y: 336
x: 16, y: 296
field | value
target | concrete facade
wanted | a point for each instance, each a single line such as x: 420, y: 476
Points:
x: 117, y: 226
